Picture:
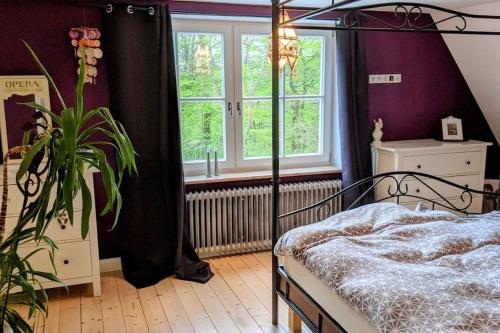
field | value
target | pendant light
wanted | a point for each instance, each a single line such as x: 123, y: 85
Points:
x: 288, y: 47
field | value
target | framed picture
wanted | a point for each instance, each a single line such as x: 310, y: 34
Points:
x: 14, y: 91
x: 452, y: 129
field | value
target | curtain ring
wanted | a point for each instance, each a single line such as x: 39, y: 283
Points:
x: 151, y: 11
x: 109, y: 8
x: 130, y: 10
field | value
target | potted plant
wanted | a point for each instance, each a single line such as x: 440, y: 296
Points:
x: 58, y: 151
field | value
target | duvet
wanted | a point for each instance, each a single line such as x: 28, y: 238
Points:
x: 407, y: 271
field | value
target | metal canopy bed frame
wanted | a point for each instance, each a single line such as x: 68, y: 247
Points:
x: 408, y: 15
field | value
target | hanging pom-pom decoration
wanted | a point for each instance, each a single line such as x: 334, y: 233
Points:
x: 86, y: 44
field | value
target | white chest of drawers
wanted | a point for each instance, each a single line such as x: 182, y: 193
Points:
x: 462, y: 163
x: 76, y: 260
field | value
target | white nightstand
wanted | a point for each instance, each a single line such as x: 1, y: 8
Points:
x: 462, y: 163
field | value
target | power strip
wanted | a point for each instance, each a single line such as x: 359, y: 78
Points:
x: 385, y: 78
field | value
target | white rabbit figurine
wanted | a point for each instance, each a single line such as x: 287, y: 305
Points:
x: 377, y: 133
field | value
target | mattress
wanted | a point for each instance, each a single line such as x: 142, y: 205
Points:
x: 351, y: 320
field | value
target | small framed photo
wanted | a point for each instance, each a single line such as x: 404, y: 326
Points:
x: 452, y: 129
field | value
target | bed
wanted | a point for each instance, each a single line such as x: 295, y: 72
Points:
x: 322, y: 289
x: 385, y: 268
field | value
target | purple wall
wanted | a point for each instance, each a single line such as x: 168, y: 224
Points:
x: 433, y: 88
x: 432, y: 84
x: 45, y: 27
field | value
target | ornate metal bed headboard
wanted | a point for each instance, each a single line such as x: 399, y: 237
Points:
x: 397, y: 188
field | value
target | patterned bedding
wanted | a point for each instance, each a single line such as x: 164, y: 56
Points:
x: 407, y: 271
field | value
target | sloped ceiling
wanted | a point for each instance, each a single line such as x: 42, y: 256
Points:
x: 479, y: 60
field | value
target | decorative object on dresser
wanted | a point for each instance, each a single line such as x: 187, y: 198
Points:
x: 462, y: 163
x: 452, y: 129
x: 377, y: 132
x: 14, y: 91
x: 54, y: 187
x: 377, y: 140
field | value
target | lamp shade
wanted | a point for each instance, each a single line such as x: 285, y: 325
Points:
x: 288, y: 47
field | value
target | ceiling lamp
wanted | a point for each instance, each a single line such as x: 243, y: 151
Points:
x: 288, y: 47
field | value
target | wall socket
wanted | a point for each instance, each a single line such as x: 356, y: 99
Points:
x: 385, y: 78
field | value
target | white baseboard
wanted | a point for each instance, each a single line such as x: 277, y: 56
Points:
x: 110, y: 265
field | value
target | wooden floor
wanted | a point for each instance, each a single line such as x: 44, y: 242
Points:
x: 236, y: 299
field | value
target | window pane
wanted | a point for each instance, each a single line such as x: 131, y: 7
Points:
x: 257, y: 129
x: 256, y: 69
x: 302, y: 126
x: 307, y: 79
x: 200, y: 58
x: 203, y: 127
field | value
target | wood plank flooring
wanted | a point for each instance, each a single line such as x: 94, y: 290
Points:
x: 236, y: 299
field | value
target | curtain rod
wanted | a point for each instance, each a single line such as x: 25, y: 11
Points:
x: 109, y: 8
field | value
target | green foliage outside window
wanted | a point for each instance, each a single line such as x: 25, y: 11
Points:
x: 201, y: 77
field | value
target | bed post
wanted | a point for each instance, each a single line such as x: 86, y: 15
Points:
x: 275, y: 143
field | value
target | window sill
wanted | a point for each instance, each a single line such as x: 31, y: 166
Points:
x: 258, y: 175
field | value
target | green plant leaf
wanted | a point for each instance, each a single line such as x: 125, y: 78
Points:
x: 41, y: 225
x: 86, y: 205
x: 87, y: 133
x: 37, y: 106
x: 28, y: 158
x: 118, y: 208
x: 68, y: 188
x: 107, y: 176
x: 69, y: 131
x: 79, y: 91
x: 45, y: 72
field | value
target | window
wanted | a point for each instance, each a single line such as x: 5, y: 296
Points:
x: 200, y: 62
x: 224, y: 78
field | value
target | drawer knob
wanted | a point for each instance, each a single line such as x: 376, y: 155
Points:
x: 419, y: 166
x: 63, y: 226
x: 66, y: 261
x: 466, y: 185
x: 468, y: 162
x: 418, y: 190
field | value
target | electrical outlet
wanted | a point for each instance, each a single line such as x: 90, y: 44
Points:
x: 385, y: 78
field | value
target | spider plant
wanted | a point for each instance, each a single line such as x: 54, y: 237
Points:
x: 59, y: 147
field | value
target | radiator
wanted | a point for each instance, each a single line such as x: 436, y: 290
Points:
x: 223, y: 222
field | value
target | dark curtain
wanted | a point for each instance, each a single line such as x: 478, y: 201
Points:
x: 143, y: 97
x: 354, y: 123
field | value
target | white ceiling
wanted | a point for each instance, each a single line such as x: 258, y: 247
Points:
x: 320, y: 3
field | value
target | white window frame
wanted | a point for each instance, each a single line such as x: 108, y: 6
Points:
x: 232, y: 31
x: 324, y: 156
x: 187, y: 26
